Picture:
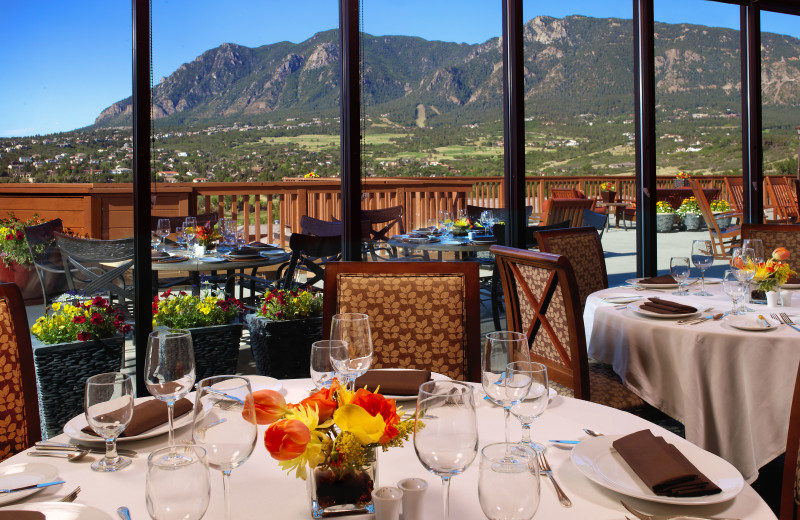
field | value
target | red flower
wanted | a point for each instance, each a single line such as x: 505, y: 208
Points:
x: 287, y: 439
x: 155, y: 308
x: 99, y: 301
x: 97, y: 318
x: 9, y: 237
x: 20, y: 236
x: 324, y: 400
x: 126, y: 328
x: 79, y: 319
x: 83, y: 336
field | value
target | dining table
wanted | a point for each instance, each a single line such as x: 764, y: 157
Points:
x: 729, y: 380
x: 460, y: 247
x: 260, y: 489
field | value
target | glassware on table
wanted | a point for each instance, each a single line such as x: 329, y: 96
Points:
x: 241, y: 238
x: 462, y: 213
x: 155, y: 240
x: 169, y: 369
x: 180, y: 236
x: 734, y: 288
x: 759, y: 255
x: 500, y: 349
x: 680, y: 268
x: 177, y: 491
x: 225, y: 425
x: 445, y: 431
x: 535, y: 402
x: 190, y: 231
x: 108, y: 405
x: 487, y: 219
x: 162, y: 230
x: 432, y: 226
x: 321, y: 368
x: 508, y: 485
x: 354, y: 359
x: 702, y: 258
x: 445, y: 220
x: 743, y: 266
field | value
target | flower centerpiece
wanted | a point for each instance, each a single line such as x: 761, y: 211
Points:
x: 689, y: 211
x: 333, y: 434
x: 463, y: 225
x: 207, y: 237
x: 665, y: 216
x: 79, y: 320
x: 773, y: 273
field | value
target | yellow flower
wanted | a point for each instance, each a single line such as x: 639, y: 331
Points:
x: 354, y: 419
x: 315, y: 452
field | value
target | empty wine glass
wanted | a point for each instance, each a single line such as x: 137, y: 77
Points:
x: 162, y: 230
x: 743, y: 266
x: 180, y: 236
x: 322, y: 371
x: 679, y: 268
x: 177, y: 491
x: 169, y: 369
x: 445, y: 431
x: 108, y: 405
x: 355, y: 358
x: 445, y: 220
x: 500, y: 349
x: 702, y: 258
x: 508, y: 485
x: 757, y: 246
x: 189, y: 232
x: 734, y: 288
x: 225, y: 425
x: 535, y: 403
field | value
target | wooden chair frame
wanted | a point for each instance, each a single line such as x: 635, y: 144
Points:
x: 559, y: 210
x: 782, y: 199
x: 721, y: 241
x: 735, y: 188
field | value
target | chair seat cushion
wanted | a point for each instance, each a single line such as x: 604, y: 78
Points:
x: 606, y: 389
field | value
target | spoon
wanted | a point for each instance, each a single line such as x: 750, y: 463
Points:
x: 71, y: 457
x: 124, y: 513
x: 592, y: 432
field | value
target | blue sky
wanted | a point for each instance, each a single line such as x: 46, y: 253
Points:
x: 62, y: 63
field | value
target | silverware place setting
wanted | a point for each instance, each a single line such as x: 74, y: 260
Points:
x: 645, y: 516
x: 785, y: 319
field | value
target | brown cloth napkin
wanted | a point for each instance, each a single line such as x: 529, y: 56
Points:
x: 660, y: 306
x: 793, y: 280
x: 21, y: 515
x: 158, y: 254
x: 394, y: 382
x: 148, y: 415
x: 665, y: 279
x: 662, y: 467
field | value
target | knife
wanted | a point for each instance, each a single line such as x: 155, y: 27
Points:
x: 54, y: 446
x: 764, y: 321
x: 557, y: 441
x: 32, y: 486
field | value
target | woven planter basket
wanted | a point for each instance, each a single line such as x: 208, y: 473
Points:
x: 282, y: 349
x: 216, y: 349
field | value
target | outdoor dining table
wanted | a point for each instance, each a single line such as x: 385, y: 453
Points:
x: 260, y: 489
x: 731, y: 388
x: 460, y: 247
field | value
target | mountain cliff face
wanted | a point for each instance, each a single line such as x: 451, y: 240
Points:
x: 573, y: 65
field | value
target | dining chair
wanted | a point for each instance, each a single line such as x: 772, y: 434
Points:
x: 790, y: 486
x: 722, y: 241
x: 782, y: 199
x: 423, y: 315
x: 46, y: 255
x: 566, y: 193
x: 774, y: 236
x: 595, y: 220
x: 542, y: 301
x: 20, y: 426
x: 559, y: 210
x: 735, y: 188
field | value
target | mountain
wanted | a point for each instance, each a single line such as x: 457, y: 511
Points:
x: 573, y: 65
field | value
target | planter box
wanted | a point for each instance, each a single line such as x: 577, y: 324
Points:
x: 608, y: 196
x: 216, y: 349
x: 664, y: 222
x: 680, y: 183
x: 282, y: 349
x: 723, y: 222
x: 692, y: 221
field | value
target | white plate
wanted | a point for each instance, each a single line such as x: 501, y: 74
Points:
x: 635, y: 281
x: 18, y: 475
x: 750, y: 322
x: 272, y: 252
x: 620, y: 298
x: 211, y: 259
x: 696, y: 281
x: 600, y: 463
x: 264, y: 383
x: 62, y: 511
x: 74, y: 427
x: 790, y: 286
x: 644, y: 312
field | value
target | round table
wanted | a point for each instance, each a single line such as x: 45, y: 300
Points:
x: 461, y: 247
x: 260, y: 489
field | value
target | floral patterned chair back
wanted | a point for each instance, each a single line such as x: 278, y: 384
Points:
x: 790, y: 487
x: 19, y: 416
x: 423, y: 315
x: 774, y: 236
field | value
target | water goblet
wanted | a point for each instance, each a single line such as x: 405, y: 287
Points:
x: 743, y: 266
x: 355, y: 357
x: 702, y: 258
x: 241, y: 238
x: 445, y: 431
x: 162, y: 230
x: 535, y: 403
x: 759, y: 255
x: 108, y: 405
x: 169, y: 369
x: 177, y: 491
x: 155, y: 240
x: 180, y: 236
x: 508, y: 485
x: 322, y: 372
x: 225, y: 425
x: 734, y: 288
x: 679, y: 269
x: 445, y: 220
x: 190, y: 231
x: 487, y: 219
x: 432, y: 226
x: 500, y: 349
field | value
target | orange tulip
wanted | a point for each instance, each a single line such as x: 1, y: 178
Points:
x: 270, y: 406
x: 780, y: 254
x: 737, y: 262
x: 287, y: 439
x: 324, y: 400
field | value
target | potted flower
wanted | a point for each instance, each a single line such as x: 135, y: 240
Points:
x: 607, y: 192
x: 211, y: 321
x: 329, y: 439
x: 665, y: 216
x: 770, y: 275
x: 311, y: 175
x: 282, y: 330
x: 206, y: 239
x: 76, y: 338
x: 681, y: 180
x: 720, y: 208
x: 689, y: 211
x: 16, y: 262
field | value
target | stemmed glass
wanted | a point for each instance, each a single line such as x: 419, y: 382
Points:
x: 321, y: 369
x: 225, y: 425
x: 177, y: 491
x: 743, y: 266
x: 445, y: 220
x: 487, y: 219
x: 702, y: 258
x: 500, y: 349
x: 108, y: 405
x: 734, y: 288
x: 180, y: 236
x: 445, y: 431
x: 169, y: 369
x: 535, y: 403
x: 679, y: 269
x: 508, y: 485
x: 354, y: 357
x: 162, y: 230
x: 189, y: 231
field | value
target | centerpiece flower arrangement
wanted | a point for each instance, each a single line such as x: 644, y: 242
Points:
x: 774, y: 272
x: 720, y: 205
x: 662, y: 206
x: 207, y: 236
x: 462, y: 225
x: 13, y: 246
x: 79, y: 320
x: 688, y: 206
x: 285, y: 304
x: 184, y: 311
x: 606, y: 186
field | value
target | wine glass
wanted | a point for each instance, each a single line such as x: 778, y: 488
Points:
x: 180, y: 236
x: 734, y: 288
x: 500, y: 349
x: 487, y: 220
x: 108, y: 405
x: 169, y: 369
x: 162, y: 230
x: 445, y: 220
x: 679, y: 268
x: 743, y: 266
x: 758, y: 249
x: 155, y: 240
x: 225, y: 425
x: 189, y: 231
x: 322, y: 371
x: 241, y: 238
x: 535, y: 403
x: 353, y: 359
x: 445, y: 431
x: 508, y: 486
x: 177, y: 491
x: 702, y: 258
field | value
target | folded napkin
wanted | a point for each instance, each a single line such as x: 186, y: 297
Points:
x: 158, y: 254
x: 394, y: 382
x: 148, y: 415
x: 245, y: 251
x: 21, y: 515
x: 665, y: 279
x: 260, y: 245
x: 662, y: 467
x: 169, y: 259
x: 660, y: 306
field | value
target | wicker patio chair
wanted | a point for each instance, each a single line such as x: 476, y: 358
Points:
x: 721, y: 241
x: 790, y: 486
x: 774, y: 236
x: 46, y: 255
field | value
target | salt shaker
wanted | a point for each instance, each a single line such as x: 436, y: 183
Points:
x: 413, y: 495
x: 387, y: 501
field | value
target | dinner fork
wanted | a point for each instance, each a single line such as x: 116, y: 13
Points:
x: 786, y: 320
x: 72, y: 496
x: 545, y: 468
x: 644, y: 516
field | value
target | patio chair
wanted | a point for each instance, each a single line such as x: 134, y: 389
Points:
x: 566, y: 193
x: 19, y: 419
x: 735, y: 188
x: 721, y: 241
x: 542, y: 302
x: 774, y: 236
x: 596, y: 220
x: 782, y: 199
x: 559, y: 210
x: 46, y: 255
x: 423, y: 315
x: 790, y: 486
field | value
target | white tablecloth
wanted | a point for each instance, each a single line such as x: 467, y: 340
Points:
x: 260, y: 490
x: 732, y: 389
